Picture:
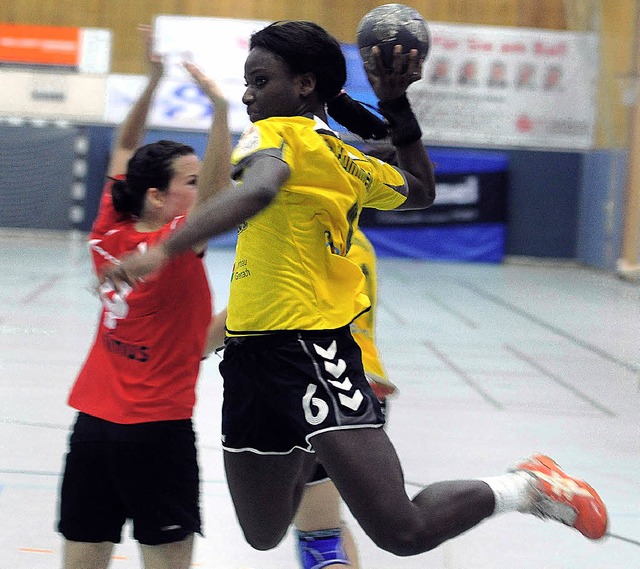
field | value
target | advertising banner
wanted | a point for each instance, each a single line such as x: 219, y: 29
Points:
x: 218, y: 45
x: 86, y: 50
x: 482, y: 86
x: 178, y: 103
x: 471, y: 187
x: 77, y: 97
x: 508, y: 87
x: 40, y: 45
x: 499, y: 87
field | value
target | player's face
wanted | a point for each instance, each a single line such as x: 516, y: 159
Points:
x: 271, y: 89
x: 181, y: 193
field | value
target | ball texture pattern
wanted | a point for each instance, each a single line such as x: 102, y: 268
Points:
x: 389, y: 25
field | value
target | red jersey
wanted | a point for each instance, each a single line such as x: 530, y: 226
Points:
x: 145, y: 359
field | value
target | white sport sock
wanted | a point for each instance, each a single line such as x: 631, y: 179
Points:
x: 513, y: 491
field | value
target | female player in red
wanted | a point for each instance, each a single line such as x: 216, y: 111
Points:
x: 132, y: 453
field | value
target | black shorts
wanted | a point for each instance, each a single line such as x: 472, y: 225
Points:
x: 281, y: 389
x: 146, y: 472
x: 319, y: 474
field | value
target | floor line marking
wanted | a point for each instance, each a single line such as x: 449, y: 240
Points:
x: 464, y: 376
x: 557, y: 379
x: 555, y: 329
x: 40, y: 289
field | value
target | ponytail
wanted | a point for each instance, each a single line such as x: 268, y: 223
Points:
x: 124, y: 200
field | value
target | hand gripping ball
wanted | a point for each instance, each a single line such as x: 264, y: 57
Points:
x: 389, y: 25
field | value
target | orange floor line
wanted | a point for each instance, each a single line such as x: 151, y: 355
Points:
x: 35, y: 550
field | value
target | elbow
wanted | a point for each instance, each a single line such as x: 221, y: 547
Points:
x: 422, y: 197
x: 430, y: 196
x: 263, y: 195
x: 430, y: 191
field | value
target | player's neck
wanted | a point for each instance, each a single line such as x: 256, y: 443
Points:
x: 148, y: 225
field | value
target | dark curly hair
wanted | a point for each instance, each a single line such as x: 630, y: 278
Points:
x: 151, y: 166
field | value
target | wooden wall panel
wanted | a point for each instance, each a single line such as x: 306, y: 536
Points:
x: 340, y: 17
x: 617, y: 36
x: 548, y: 14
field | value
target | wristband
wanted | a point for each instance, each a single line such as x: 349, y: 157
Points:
x: 403, y: 125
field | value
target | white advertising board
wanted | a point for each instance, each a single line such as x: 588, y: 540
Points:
x: 70, y: 96
x: 218, y: 45
x: 508, y: 87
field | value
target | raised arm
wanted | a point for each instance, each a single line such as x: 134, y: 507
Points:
x: 131, y: 132
x: 390, y: 86
x: 215, y: 174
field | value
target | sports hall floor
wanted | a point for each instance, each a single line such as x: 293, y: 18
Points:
x: 493, y: 362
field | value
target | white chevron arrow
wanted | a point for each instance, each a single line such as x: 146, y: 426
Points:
x: 351, y: 402
x: 329, y: 353
x: 337, y: 369
x: 345, y: 385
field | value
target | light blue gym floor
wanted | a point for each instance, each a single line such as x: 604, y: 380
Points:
x: 494, y: 362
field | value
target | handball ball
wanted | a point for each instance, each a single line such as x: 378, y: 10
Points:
x: 389, y: 25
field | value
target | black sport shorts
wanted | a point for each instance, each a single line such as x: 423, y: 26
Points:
x: 147, y: 473
x: 283, y: 388
x: 319, y: 474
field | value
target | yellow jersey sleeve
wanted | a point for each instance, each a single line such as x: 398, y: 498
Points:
x: 387, y: 177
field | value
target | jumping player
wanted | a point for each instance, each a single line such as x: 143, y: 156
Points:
x: 294, y: 385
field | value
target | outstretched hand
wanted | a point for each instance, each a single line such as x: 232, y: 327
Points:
x: 391, y: 83
x: 208, y: 85
x: 134, y: 267
x: 155, y: 60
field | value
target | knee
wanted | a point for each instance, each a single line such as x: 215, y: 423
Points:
x: 406, y: 542
x: 263, y: 540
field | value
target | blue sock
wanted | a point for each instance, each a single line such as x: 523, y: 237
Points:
x: 317, y: 549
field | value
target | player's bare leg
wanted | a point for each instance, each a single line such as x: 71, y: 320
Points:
x: 441, y: 511
x: 320, y: 510
x: 176, y: 555
x: 81, y: 555
x: 266, y: 491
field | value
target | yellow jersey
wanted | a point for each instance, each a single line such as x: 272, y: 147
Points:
x: 291, y: 269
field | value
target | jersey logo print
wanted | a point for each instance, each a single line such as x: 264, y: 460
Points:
x: 346, y: 385
x: 336, y: 369
x: 115, y: 304
x: 327, y: 354
x: 352, y: 402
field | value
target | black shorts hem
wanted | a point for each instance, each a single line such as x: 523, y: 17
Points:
x: 173, y: 536
x: 266, y: 452
x: 309, y: 448
x: 70, y: 536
